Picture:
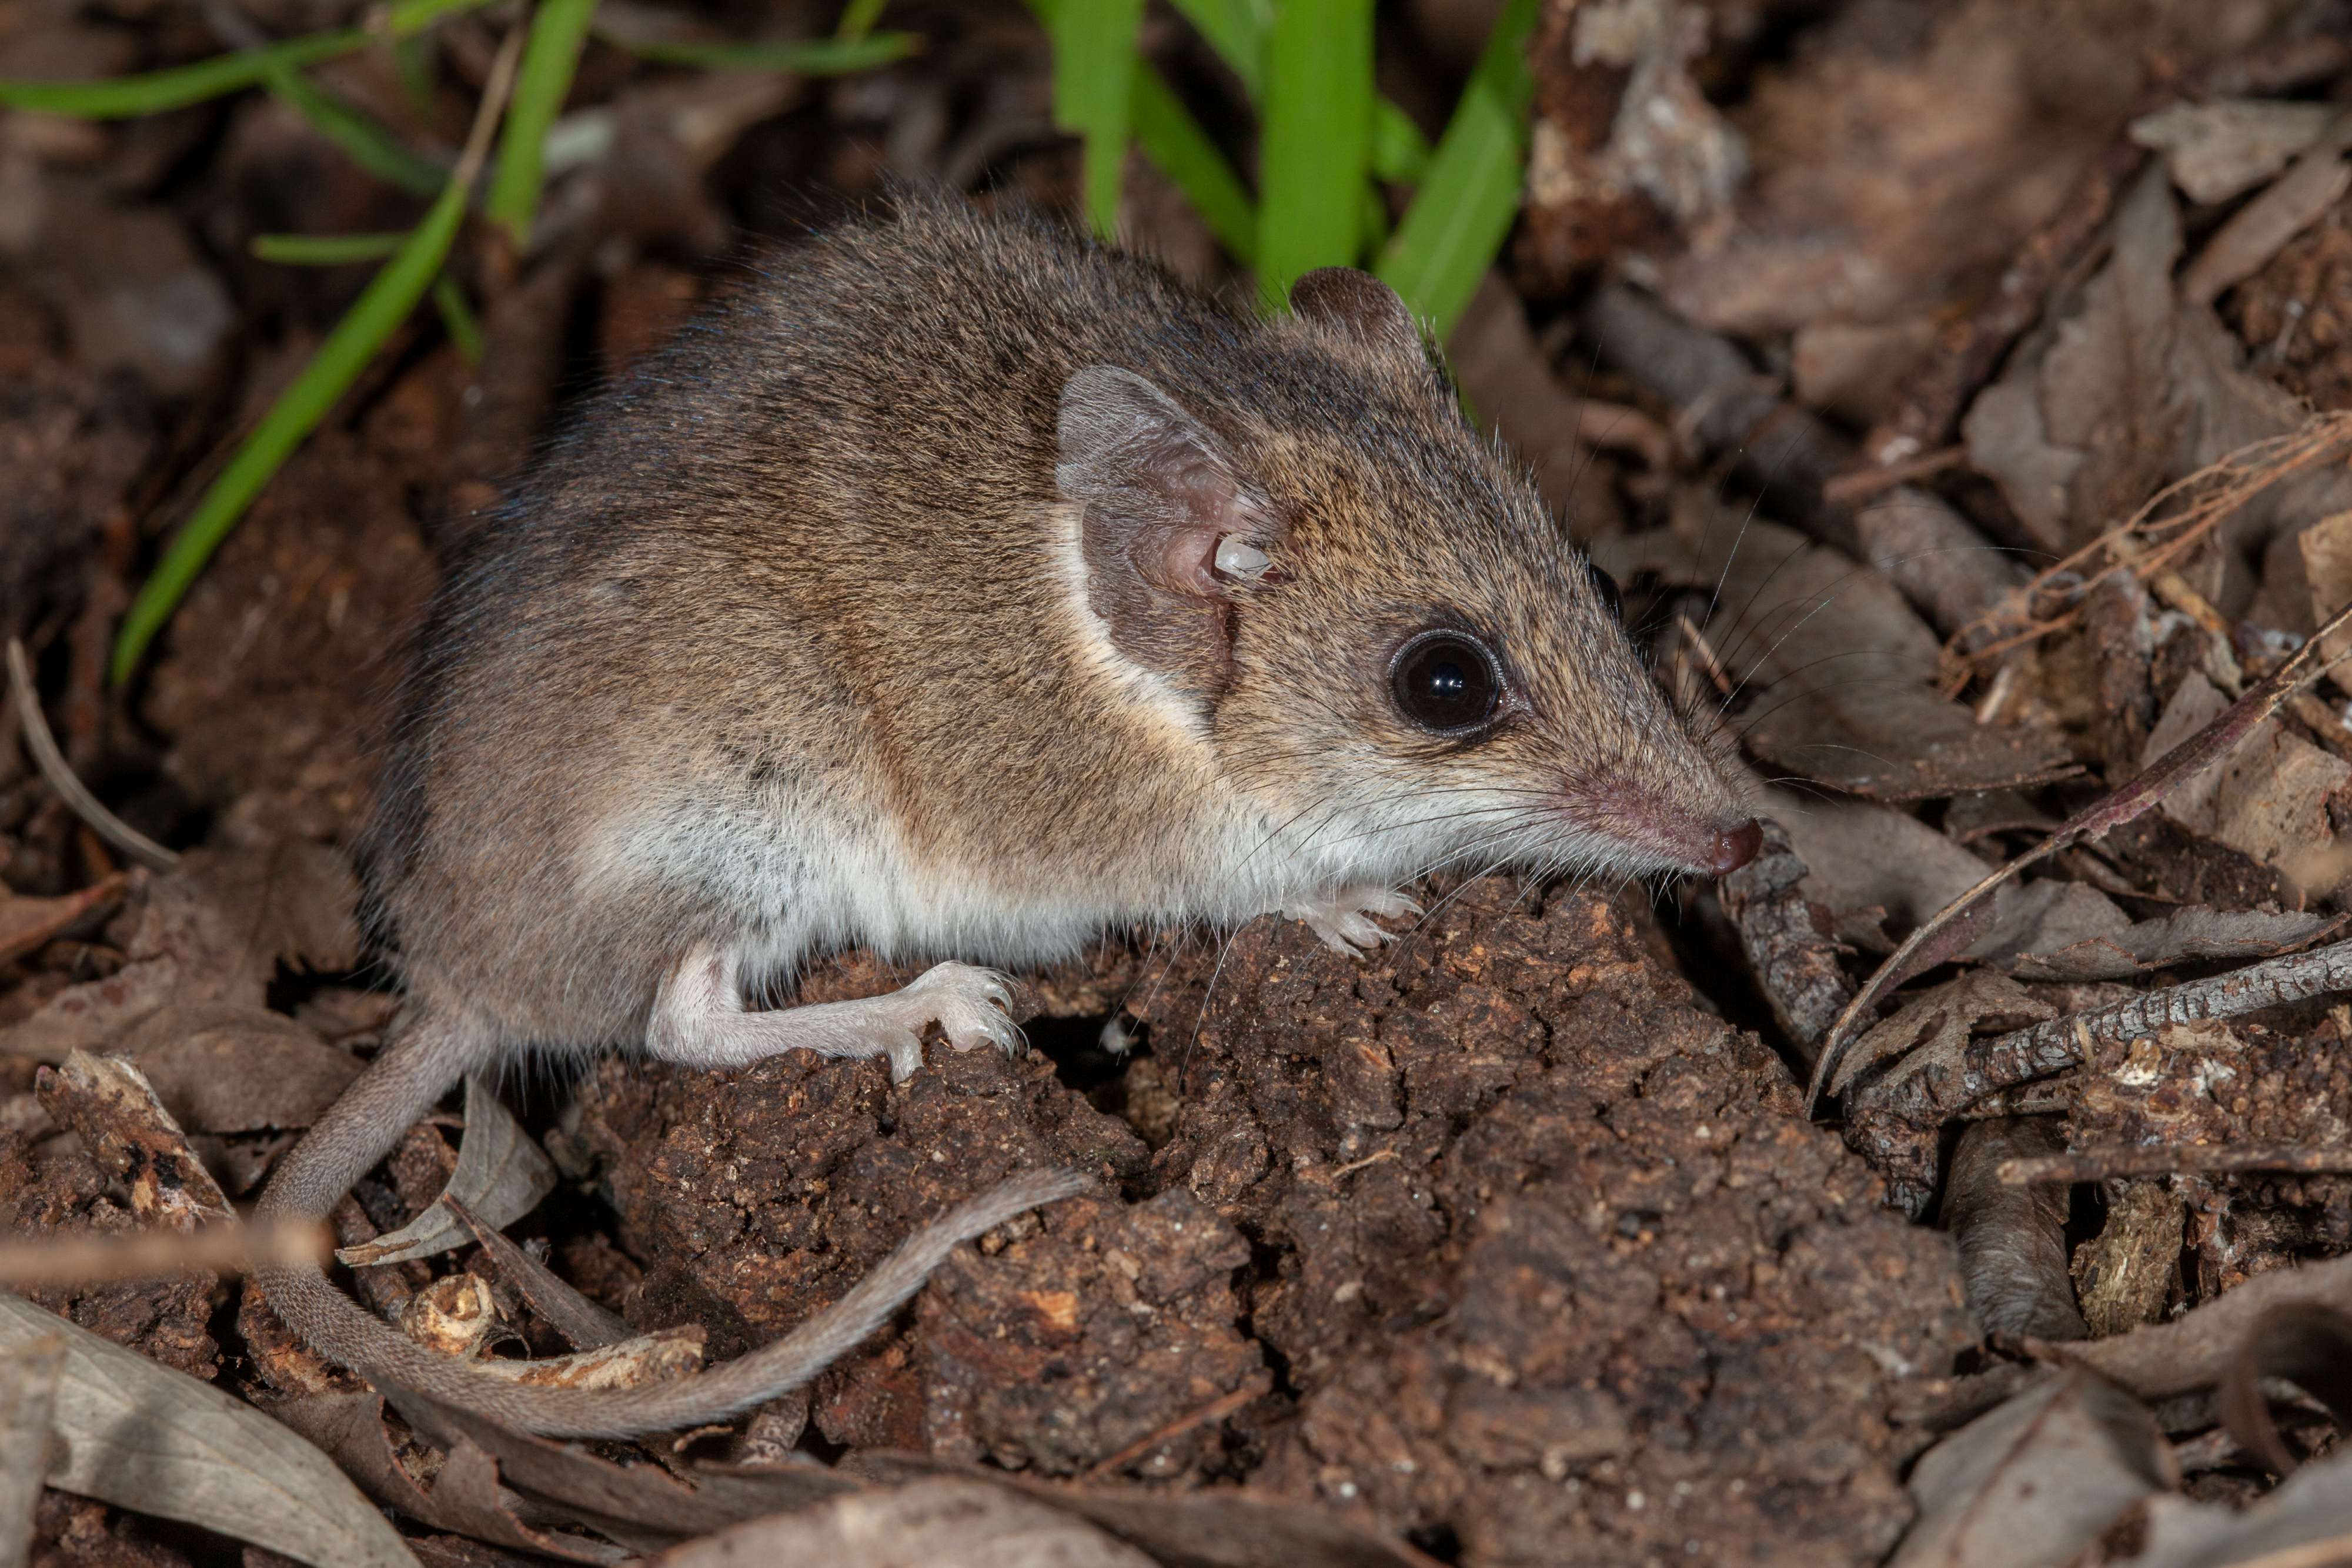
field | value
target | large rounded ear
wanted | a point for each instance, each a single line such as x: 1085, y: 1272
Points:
x: 1359, y: 305
x: 1169, y: 529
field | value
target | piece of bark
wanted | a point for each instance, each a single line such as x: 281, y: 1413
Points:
x: 2124, y: 1275
x: 1788, y: 943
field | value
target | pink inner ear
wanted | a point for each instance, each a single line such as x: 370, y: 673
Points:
x: 1183, y: 560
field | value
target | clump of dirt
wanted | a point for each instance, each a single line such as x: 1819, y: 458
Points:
x: 1499, y: 1238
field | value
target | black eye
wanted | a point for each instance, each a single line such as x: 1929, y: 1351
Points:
x: 1445, y: 682
x: 1606, y: 586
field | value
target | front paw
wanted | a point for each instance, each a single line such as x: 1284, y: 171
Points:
x: 1343, y: 919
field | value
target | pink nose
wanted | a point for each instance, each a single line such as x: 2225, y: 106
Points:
x: 1732, y: 850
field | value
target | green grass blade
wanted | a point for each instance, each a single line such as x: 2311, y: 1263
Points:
x: 1174, y: 141
x: 1096, y: 49
x: 381, y: 308
x: 1399, y: 151
x: 152, y: 92
x: 362, y: 139
x: 412, y: 62
x: 177, y: 87
x: 857, y: 20
x: 558, y: 31
x: 457, y: 318
x: 324, y: 250
x: 1314, y: 145
x: 1471, y: 192
x: 1236, y: 29
x: 803, y: 57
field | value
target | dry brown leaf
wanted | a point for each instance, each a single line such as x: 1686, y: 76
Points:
x: 223, y: 1068
x: 501, y: 1175
x: 143, y: 1437
x: 2190, y: 936
x: 29, y: 1373
x: 213, y: 929
x: 926, y: 1522
x: 2225, y: 147
x: 26, y: 924
x: 2030, y: 1484
x: 2012, y: 1239
x: 2307, y: 1523
x: 2267, y: 798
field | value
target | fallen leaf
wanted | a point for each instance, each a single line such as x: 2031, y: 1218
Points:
x: 29, y: 1373
x: 501, y: 1175
x: 2189, y: 936
x: 2305, y: 1523
x: 213, y: 929
x: 2194, y: 1351
x: 939, y: 1521
x: 2307, y: 1343
x: 2267, y: 798
x: 2226, y: 147
x: 2037, y: 1480
x: 2012, y: 1239
x: 27, y: 924
x: 110, y: 1103
x: 143, y: 1437
x: 223, y: 1068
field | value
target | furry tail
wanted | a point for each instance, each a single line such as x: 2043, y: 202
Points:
x: 423, y: 1064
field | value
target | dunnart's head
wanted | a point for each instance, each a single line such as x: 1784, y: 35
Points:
x: 1391, y: 642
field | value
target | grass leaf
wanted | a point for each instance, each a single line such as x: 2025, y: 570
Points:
x: 177, y: 87
x: 362, y: 139
x: 1236, y: 29
x: 1095, y: 51
x: 457, y: 318
x: 1174, y: 141
x: 1470, y: 192
x: 1399, y: 151
x: 558, y: 31
x: 324, y: 250
x: 805, y: 57
x: 1315, y: 147
x: 857, y: 20
x: 379, y: 310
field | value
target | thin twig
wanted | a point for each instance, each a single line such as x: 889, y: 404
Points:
x: 70, y: 789
x: 156, y: 1254
x: 2000, y: 1061
x: 1214, y: 1411
x: 2111, y: 1160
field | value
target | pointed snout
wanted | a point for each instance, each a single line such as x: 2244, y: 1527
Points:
x: 1735, y: 847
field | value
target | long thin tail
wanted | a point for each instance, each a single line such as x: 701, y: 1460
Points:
x: 423, y: 1064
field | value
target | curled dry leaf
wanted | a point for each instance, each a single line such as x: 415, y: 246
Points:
x: 145, y: 1438
x: 1934, y: 1027
x: 2037, y: 1480
x: 941, y: 1520
x: 2307, y: 1523
x: 2195, y: 1351
x: 2307, y: 1343
x: 501, y: 1175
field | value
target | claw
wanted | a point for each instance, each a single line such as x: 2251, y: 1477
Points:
x: 1341, y: 919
